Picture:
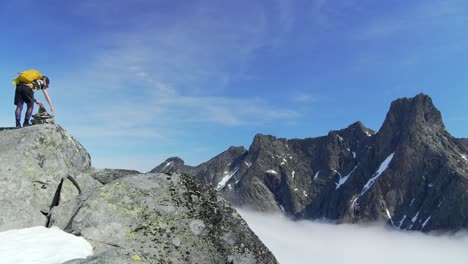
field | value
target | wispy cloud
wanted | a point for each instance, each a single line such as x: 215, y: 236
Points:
x: 150, y: 77
x: 152, y: 73
x: 429, y: 19
x: 304, y: 98
x: 312, y: 242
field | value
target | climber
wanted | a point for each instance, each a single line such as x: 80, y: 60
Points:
x: 27, y: 83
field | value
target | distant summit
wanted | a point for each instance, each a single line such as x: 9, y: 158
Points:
x: 411, y: 173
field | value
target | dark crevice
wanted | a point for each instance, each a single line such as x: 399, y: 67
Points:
x: 40, y: 182
x: 55, y: 201
x: 74, y: 183
x: 105, y: 243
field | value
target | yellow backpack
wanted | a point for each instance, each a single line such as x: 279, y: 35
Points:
x: 27, y: 77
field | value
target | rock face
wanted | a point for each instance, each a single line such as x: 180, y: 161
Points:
x: 464, y: 142
x: 412, y: 173
x: 162, y: 218
x: 47, y: 179
x: 35, y: 160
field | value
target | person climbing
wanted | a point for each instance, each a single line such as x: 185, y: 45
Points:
x: 27, y: 83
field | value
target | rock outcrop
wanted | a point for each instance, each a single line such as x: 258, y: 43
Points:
x: 47, y: 179
x: 412, y: 173
x: 35, y: 161
x: 162, y: 218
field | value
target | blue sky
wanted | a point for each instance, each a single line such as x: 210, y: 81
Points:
x: 139, y: 81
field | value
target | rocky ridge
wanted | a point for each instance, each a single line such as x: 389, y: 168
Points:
x: 47, y: 180
x: 411, y: 173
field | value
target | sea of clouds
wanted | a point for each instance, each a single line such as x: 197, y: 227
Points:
x: 301, y: 242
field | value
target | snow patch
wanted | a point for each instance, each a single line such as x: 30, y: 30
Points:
x: 170, y: 163
x: 344, y: 179
x: 425, y: 223
x: 296, y: 189
x: 354, y: 155
x: 415, y: 218
x: 304, y: 193
x: 402, y: 221
x: 248, y: 164
x: 412, y: 201
x: 355, y: 202
x: 226, y: 178
x: 464, y: 157
x: 293, y: 173
x: 271, y: 172
x: 282, y: 208
x: 389, y: 216
x: 41, y: 245
x: 340, y: 138
x: 316, y: 174
x: 367, y: 133
x: 377, y: 174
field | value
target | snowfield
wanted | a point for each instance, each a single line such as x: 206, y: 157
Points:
x: 40, y: 245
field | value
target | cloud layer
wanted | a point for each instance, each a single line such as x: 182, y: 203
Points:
x: 306, y: 242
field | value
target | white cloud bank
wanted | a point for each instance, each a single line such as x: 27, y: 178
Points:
x: 311, y: 242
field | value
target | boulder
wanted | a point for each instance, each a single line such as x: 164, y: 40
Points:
x: 161, y: 218
x: 36, y: 162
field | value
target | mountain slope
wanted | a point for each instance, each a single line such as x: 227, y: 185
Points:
x: 412, y: 173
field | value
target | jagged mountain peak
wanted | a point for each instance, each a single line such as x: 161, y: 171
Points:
x: 262, y: 141
x: 171, y: 164
x: 411, y: 121
x: 358, y: 127
x: 261, y: 138
x: 413, y: 113
x: 176, y: 160
x: 235, y: 150
x: 355, y: 131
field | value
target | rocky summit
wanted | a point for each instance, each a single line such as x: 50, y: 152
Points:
x: 411, y: 173
x: 129, y: 217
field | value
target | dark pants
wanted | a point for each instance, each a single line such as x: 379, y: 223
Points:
x: 24, y: 94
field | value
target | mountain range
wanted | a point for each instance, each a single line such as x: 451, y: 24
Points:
x: 411, y: 173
